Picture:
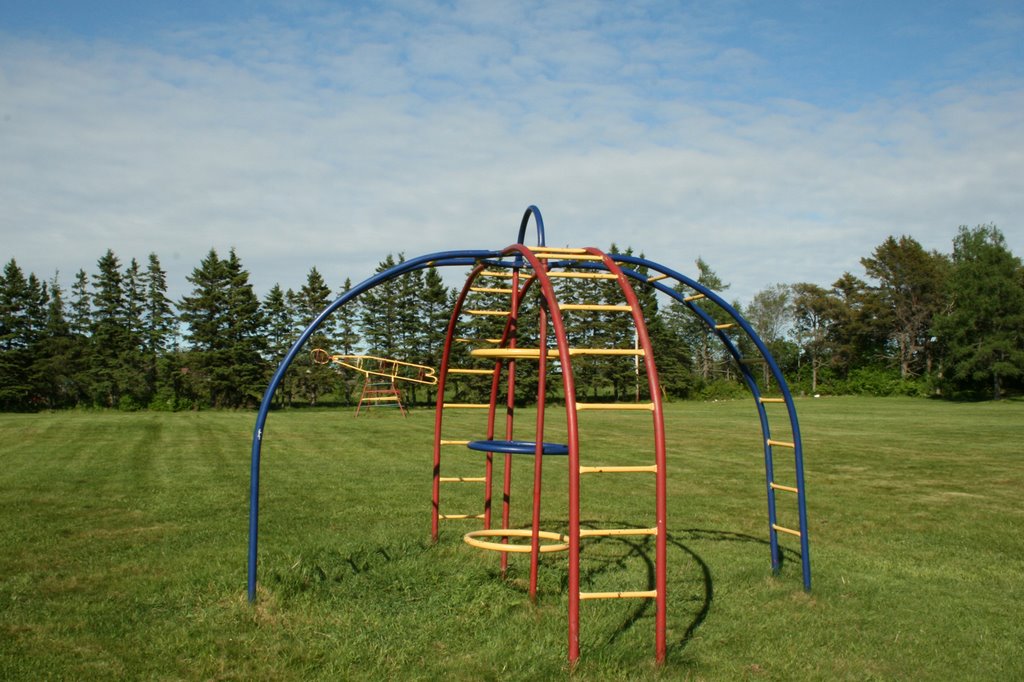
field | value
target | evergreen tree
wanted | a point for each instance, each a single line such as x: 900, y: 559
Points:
x: 347, y: 340
x: 110, y: 340
x: 983, y: 333
x: 16, y: 338
x: 379, y: 315
x: 435, y: 308
x: 56, y: 360
x: 312, y: 379
x: 282, y: 331
x: 688, y: 326
x: 159, y: 342
x: 205, y: 316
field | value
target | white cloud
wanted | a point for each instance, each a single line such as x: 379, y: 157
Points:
x: 336, y: 142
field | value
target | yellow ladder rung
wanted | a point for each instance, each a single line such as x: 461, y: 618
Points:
x: 380, y: 398
x: 607, y: 351
x: 467, y: 406
x: 492, y: 290
x: 613, y: 532
x: 783, y: 529
x: 568, y: 256
x: 497, y: 313
x: 597, y: 306
x: 557, y: 249
x: 649, y: 594
x: 462, y: 479
x: 787, y: 488
x: 615, y: 406
x: 585, y: 275
x: 653, y: 469
x: 460, y: 516
x: 725, y: 325
x: 454, y: 442
x: 466, y: 370
x: 781, y: 443
x: 655, y: 278
x: 469, y: 340
x: 772, y: 400
x: 694, y: 297
x: 493, y: 273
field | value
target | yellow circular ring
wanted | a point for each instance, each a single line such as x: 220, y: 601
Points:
x: 472, y: 538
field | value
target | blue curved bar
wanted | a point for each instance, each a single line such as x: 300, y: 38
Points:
x: 517, y: 447
x: 441, y: 259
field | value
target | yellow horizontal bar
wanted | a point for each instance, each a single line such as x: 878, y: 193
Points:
x: 610, y: 532
x: 725, y: 325
x: 378, y: 399
x: 783, y: 529
x: 651, y: 594
x: 787, y: 488
x: 557, y: 249
x: 772, y: 400
x: 502, y: 313
x: 468, y: 340
x: 466, y: 370
x: 462, y: 479
x: 655, y: 278
x: 653, y: 469
x: 585, y: 275
x: 467, y: 406
x: 615, y: 406
x: 492, y: 273
x: 596, y: 306
x: 568, y: 256
x: 454, y: 442
x: 781, y: 443
x: 492, y: 290
x: 694, y: 297
x: 460, y: 516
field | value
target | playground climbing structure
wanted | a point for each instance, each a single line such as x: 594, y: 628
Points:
x: 381, y: 377
x: 513, y: 321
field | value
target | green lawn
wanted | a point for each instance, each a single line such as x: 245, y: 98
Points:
x: 123, y: 550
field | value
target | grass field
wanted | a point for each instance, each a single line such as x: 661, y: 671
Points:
x: 123, y: 550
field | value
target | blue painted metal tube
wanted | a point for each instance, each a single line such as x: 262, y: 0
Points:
x: 441, y: 259
x: 780, y: 380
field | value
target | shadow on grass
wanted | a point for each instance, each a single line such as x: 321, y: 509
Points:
x: 643, y: 549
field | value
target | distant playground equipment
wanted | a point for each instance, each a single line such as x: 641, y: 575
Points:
x: 503, y: 279
x: 380, y: 377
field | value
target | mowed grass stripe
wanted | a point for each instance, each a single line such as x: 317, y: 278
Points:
x: 122, y: 549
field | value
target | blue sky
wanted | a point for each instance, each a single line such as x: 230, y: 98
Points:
x: 780, y: 141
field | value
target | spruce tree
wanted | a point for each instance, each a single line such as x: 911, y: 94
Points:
x: 983, y: 333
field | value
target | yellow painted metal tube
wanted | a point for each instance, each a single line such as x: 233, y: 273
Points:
x: 496, y: 273
x: 467, y: 370
x: 557, y: 249
x: 596, y: 307
x: 454, y: 442
x: 460, y: 516
x: 614, y: 532
x: 649, y: 407
x: 473, y: 538
x: 649, y: 594
x: 725, y: 325
x: 584, y: 275
x: 781, y: 443
x: 467, y: 406
x: 497, y: 313
x: 655, y: 278
x: 783, y: 529
x: 694, y: 297
x: 652, y: 469
x: 787, y: 488
x: 568, y: 256
x: 462, y: 479
x: 772, y: 400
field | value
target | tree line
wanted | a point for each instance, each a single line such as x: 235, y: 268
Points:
x: 917, y: 322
